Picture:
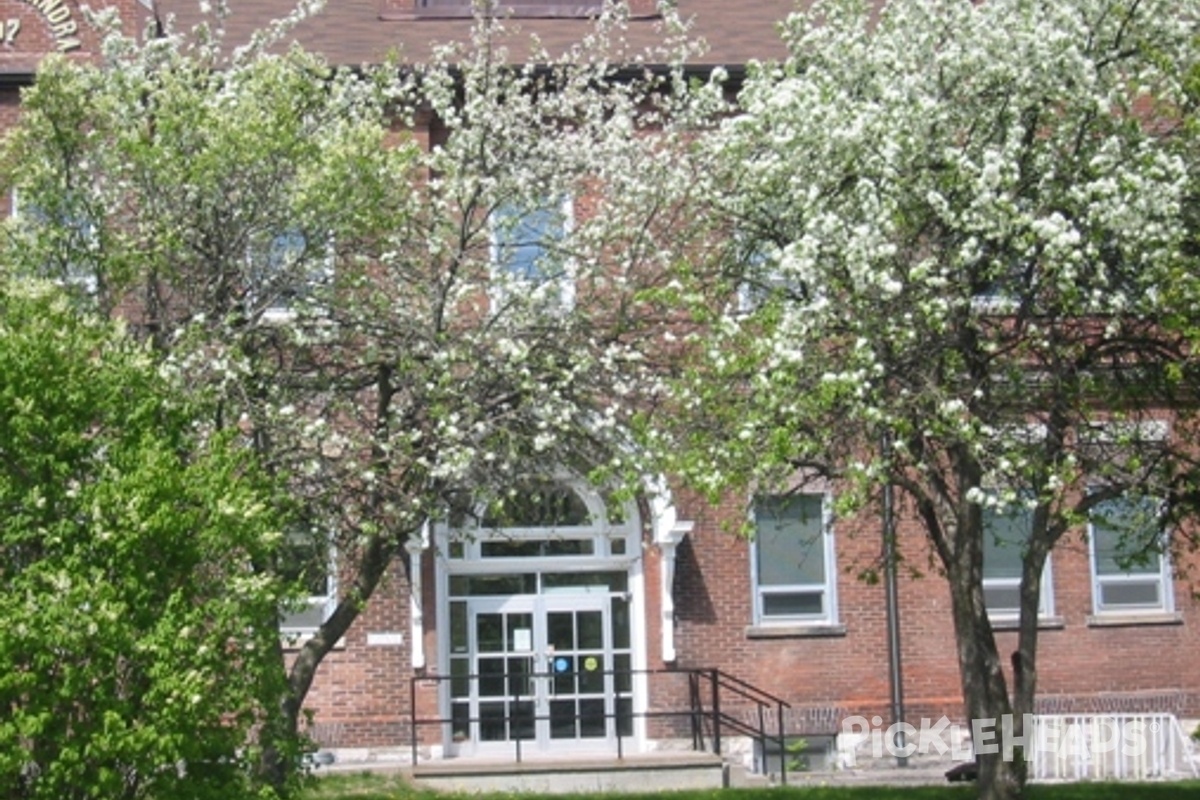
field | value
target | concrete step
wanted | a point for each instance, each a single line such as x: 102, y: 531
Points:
x: 633, y: 773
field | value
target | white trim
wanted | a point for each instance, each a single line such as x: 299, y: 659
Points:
x: 276, y: 308
x: 1045, y: 598
x: 415, y: 546
x: 326, y: 603
x: 668, y: 534
x: 630, y: 562
x: 82, y: 279
x: 600, y: 531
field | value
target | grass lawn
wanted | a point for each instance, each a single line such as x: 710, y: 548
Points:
x: 377, y: 787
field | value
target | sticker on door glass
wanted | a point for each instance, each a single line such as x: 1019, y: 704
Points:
x: 522, y: 640
x: 561, y: 665
x: 590, y: 663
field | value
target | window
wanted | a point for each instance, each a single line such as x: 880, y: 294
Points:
x: 1130, y: 572
x: 539, y: 505
x: 66, y: 240
x: 527, y: 251
x: 543, y: 519
x: 285, y: 269
x: 307, y: 561
x: 761, y: 278
x: 794, y: 577
x: 1005, y: 534
x: 1002, y: 285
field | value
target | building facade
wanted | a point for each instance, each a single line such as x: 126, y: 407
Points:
x: 577, y: 624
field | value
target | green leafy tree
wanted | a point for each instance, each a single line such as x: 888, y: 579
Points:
x: 394, y: 327
x: 957, y: 267
x: 137, y: 656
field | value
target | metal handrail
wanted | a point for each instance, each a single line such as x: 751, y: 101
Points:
x: 716, y: 680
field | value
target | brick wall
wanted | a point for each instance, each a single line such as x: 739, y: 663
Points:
x: 1083, y: 666
x: 361, y: 696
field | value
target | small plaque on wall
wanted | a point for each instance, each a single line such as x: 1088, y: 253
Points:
x: 385, y: 639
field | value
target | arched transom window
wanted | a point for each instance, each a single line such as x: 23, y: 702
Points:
x: 543, y: 519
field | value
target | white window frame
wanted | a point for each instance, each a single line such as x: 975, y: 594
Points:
x: 279, y: 308
x: 998, y: 299
x: 294, y: 632
x: 763, y: 262
x: 1161, y: 577
x: 1045, y: 598
x: 828, y: 587
x: 616, y: 539
x: 505, y: 282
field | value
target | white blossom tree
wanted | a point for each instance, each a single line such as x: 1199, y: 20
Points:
x: 957, y: 265
x: 392, y: 327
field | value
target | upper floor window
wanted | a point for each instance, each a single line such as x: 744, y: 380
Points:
x: 539, y: 505
x: 1006, y: 535
x: 1002, y: 285
x: 285, y: 269
x: 793, y: 563
x: 762, y: 279
x: 67, y: 239
x: 528, y: 253
x: 1130, y: 570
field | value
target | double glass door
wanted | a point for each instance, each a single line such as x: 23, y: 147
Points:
x: 544, y: 669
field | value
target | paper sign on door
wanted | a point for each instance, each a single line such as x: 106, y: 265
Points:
x: 522, y: 640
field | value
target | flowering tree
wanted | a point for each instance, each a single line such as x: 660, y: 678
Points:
x: 127, y: 547
x: 394, y: 327
x: 959, y: 268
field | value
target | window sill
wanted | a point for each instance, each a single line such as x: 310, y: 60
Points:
x: 1118, y: 619
x: 796, y: 631
x: 1044, y: 623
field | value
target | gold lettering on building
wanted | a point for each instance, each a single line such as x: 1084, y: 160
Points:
x: 62, y: 25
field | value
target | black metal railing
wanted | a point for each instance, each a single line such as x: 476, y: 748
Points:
x: 713, y: 704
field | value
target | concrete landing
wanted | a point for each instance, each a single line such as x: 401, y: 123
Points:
x: 649, y: 772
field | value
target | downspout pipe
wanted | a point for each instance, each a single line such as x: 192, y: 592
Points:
x: 895, y: 671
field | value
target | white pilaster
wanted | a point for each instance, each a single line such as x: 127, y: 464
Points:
x: 416, y: 545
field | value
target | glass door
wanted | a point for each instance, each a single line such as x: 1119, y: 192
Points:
x: 493, y: 692
x: 578, y: 698
x: 538, y: 668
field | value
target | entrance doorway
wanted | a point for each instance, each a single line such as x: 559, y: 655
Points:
x: 542, y: 593
x: 552, y: 669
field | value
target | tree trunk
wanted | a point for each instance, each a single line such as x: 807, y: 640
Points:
x: 279, y: 738
x: 1001, y: 774
x: 281, y: 735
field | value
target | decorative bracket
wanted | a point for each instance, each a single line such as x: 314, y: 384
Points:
x: 668, y: 532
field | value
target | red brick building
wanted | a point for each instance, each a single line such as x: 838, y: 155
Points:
x: 596, y: 602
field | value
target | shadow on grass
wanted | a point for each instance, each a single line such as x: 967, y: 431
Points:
x: 363, y: 786
x: 383, y: 787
